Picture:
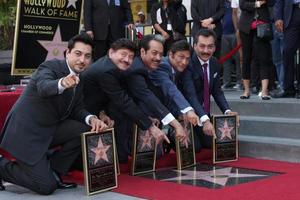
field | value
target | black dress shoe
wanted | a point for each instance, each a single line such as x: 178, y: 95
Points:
x: 1, y: 183
x: 265, y: 97
x: 284, y: 94
x: 63, y: 185
x: 2, y: 187
x: 297, y: 95
x: 244, y: 96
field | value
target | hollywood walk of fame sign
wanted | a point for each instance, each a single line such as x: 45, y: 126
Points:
x: 99, y: 161
x: 225, y: 145
x: 186, y: 154
x: 42, y: 31
x: 144, y: 152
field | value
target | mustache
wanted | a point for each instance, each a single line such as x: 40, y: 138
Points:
x: 205, y: 54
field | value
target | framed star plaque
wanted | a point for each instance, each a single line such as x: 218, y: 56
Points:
x: 225, y: 145
x: 99, y: 161
x: 185, y: 151
x: 144, y: 152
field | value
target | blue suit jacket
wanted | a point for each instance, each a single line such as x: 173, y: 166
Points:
x: 193, y: 85
x: 165, y: 84
x: 283, y: 10
x: 138, y: 84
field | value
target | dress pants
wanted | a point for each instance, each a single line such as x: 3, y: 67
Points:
x: 229, y: 43
x: 39, y: 177
x: 102, y: 46
x: 291, y: 42
x: 201, y: 140
x: 123, y: 129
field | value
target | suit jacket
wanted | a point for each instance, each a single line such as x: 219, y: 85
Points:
x: 103, y: 83
x: 175, y: 13
x: 193, y: 85
x: 32, y: 122
x: 203, y: 9
x: 249, y: 12
x: 283, y: 10
x: 139, y: 83
x: 98, y: 15
x: 165, y: 80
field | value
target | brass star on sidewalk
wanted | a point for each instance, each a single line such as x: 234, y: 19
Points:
x: 216, y: 176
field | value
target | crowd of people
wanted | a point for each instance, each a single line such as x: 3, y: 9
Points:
x: 127, y: 85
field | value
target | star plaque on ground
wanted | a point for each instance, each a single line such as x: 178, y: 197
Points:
x: 99, y: 161
x: 55, y: 47
x: 185, y: 154
x: 225, y: 145
x: 210, y: 176
x: 144, y: 152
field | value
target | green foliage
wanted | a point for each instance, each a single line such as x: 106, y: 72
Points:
x: 7, y: 23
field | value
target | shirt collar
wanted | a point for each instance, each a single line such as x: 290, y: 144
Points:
x: 202, y: 62
x: 70, y: 70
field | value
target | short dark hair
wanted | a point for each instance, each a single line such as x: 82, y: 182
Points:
x: 148, y: 38
x: 82, y: 37
x: 181, y: 45
x: 123, y: 43
x: 206, y: 33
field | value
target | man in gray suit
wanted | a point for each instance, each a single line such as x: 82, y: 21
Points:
x: 48, y: 114
x: 104, y: 21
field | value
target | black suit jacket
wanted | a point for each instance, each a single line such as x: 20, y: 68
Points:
x: 104, y: 83
x: 98, y: 15
x: 248, y: 14
x: 139, y: 85
x: 32, y: 122
x: 193, y: 85
x: 284, y: 10
x: 203, y: 9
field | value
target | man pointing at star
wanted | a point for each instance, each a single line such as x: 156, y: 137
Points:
x: 49, y: 113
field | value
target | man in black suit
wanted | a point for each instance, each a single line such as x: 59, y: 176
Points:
x: 139, y: 83
x: 104, y: 82
x: 208, y: 14
x: 287, y: 20
x: 49, y: 113
x: 104, y: 21
x: 202, y: 79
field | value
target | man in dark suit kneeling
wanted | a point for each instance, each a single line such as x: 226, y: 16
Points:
x: 49, y: 113
x: 166, y: 83
x: 105, y: 89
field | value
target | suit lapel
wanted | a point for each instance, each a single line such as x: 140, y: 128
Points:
x: 171, y: 71
x: 65, y: 69
x: 197, y: 65
x: 211, y: 74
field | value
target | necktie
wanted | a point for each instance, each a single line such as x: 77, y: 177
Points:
x: 206, y: 102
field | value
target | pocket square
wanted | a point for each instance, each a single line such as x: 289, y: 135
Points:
x: 215, y: 74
